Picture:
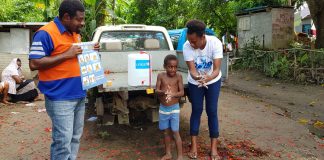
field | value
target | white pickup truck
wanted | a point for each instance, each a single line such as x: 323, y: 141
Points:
x: 118, y: 98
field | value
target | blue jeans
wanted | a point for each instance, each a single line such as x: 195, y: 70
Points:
x: 197, y: 96
x: 67, y: 124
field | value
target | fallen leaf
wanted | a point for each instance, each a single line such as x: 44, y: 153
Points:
x: 247, y: 78
x: 319, y: 124
x: 277, y: 154
x: 48, y: 129
x: 321, y: 145
x: 303, y: 121
x: 312, y: 103
x: 102, y: 150
x: 279, y: 114
x: 265, y: 85
x: 268, y: 105
x: 289, y: 155
x: 41, y: 110
x: 230, y: 146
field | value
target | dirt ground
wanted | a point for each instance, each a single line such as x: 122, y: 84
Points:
x: 260, y: 118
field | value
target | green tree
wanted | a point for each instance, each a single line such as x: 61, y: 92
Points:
x: 168, y: 13
x: 217, y: 14
x: 95, y: 13
x: 20, y: 11
x: 48, y: 7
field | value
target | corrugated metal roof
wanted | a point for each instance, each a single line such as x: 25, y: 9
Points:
x: 259, y: 9
x: 22, y: 24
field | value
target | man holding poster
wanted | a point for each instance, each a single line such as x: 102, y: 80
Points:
x: 54, y: 56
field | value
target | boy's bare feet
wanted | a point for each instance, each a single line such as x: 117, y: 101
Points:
x: 6, y: 102
x: 166, y: 157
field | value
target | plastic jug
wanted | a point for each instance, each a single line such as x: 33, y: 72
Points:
x: 138, y: 70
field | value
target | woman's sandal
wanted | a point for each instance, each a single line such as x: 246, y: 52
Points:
x: 192, y: 155
x: 215, y: 157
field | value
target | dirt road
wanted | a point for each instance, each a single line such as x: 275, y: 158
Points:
x: 252, y: 127
x: 302, y: 103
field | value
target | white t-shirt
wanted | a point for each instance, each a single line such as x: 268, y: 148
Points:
x: 203, y: 59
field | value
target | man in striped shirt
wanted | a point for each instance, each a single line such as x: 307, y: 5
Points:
x: 55, y: 57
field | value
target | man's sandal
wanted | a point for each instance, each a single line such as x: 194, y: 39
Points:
x: 192, y: 155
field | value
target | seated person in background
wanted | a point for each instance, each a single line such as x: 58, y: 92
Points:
x: 19, y: 88
x: 4, y: 87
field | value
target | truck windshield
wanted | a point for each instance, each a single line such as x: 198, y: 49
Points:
x: 133, y: 41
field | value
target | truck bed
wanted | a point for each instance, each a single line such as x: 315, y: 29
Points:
x: 120, y: 82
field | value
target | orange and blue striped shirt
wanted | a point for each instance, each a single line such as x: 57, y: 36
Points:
x: 63, y: 81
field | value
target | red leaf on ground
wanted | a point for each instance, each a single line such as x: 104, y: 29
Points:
x: 230, y: 146
x: 102, y: 150
x: 82, y: 149
x: 35, y: 141
x: 289, y: 155
x: 321, y: 146
x: 48, y: 129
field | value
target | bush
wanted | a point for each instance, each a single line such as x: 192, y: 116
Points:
x: 296, y: 63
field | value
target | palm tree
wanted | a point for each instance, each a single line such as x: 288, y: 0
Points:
x: 50, y: 8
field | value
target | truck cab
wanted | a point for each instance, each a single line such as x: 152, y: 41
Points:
x: 117, y: 42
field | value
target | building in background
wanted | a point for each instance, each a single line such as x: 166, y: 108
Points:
x: 303, y: 22
x: 272, y: 27
x: 15, y: 39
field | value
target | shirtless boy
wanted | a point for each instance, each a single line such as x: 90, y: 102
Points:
x: 169, y: 87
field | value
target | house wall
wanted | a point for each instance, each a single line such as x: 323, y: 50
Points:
x: 15, y: 44
x: 16, y: 41
x: 282, y: 27
x: 5, y: 44
x: 256, y: 25
x: 307, y: 21
x: 273, y: 28
x: 20, y: 40
x: 5, y: 59
x: 298, y: 22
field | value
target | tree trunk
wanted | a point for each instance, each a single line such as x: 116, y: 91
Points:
x: 316, y: 8
x: 113, y: 9
x: 101, y: 5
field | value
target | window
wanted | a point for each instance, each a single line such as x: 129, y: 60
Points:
x: 133, y: 41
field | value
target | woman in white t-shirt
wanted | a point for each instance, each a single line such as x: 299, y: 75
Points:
x: 203, y: 55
